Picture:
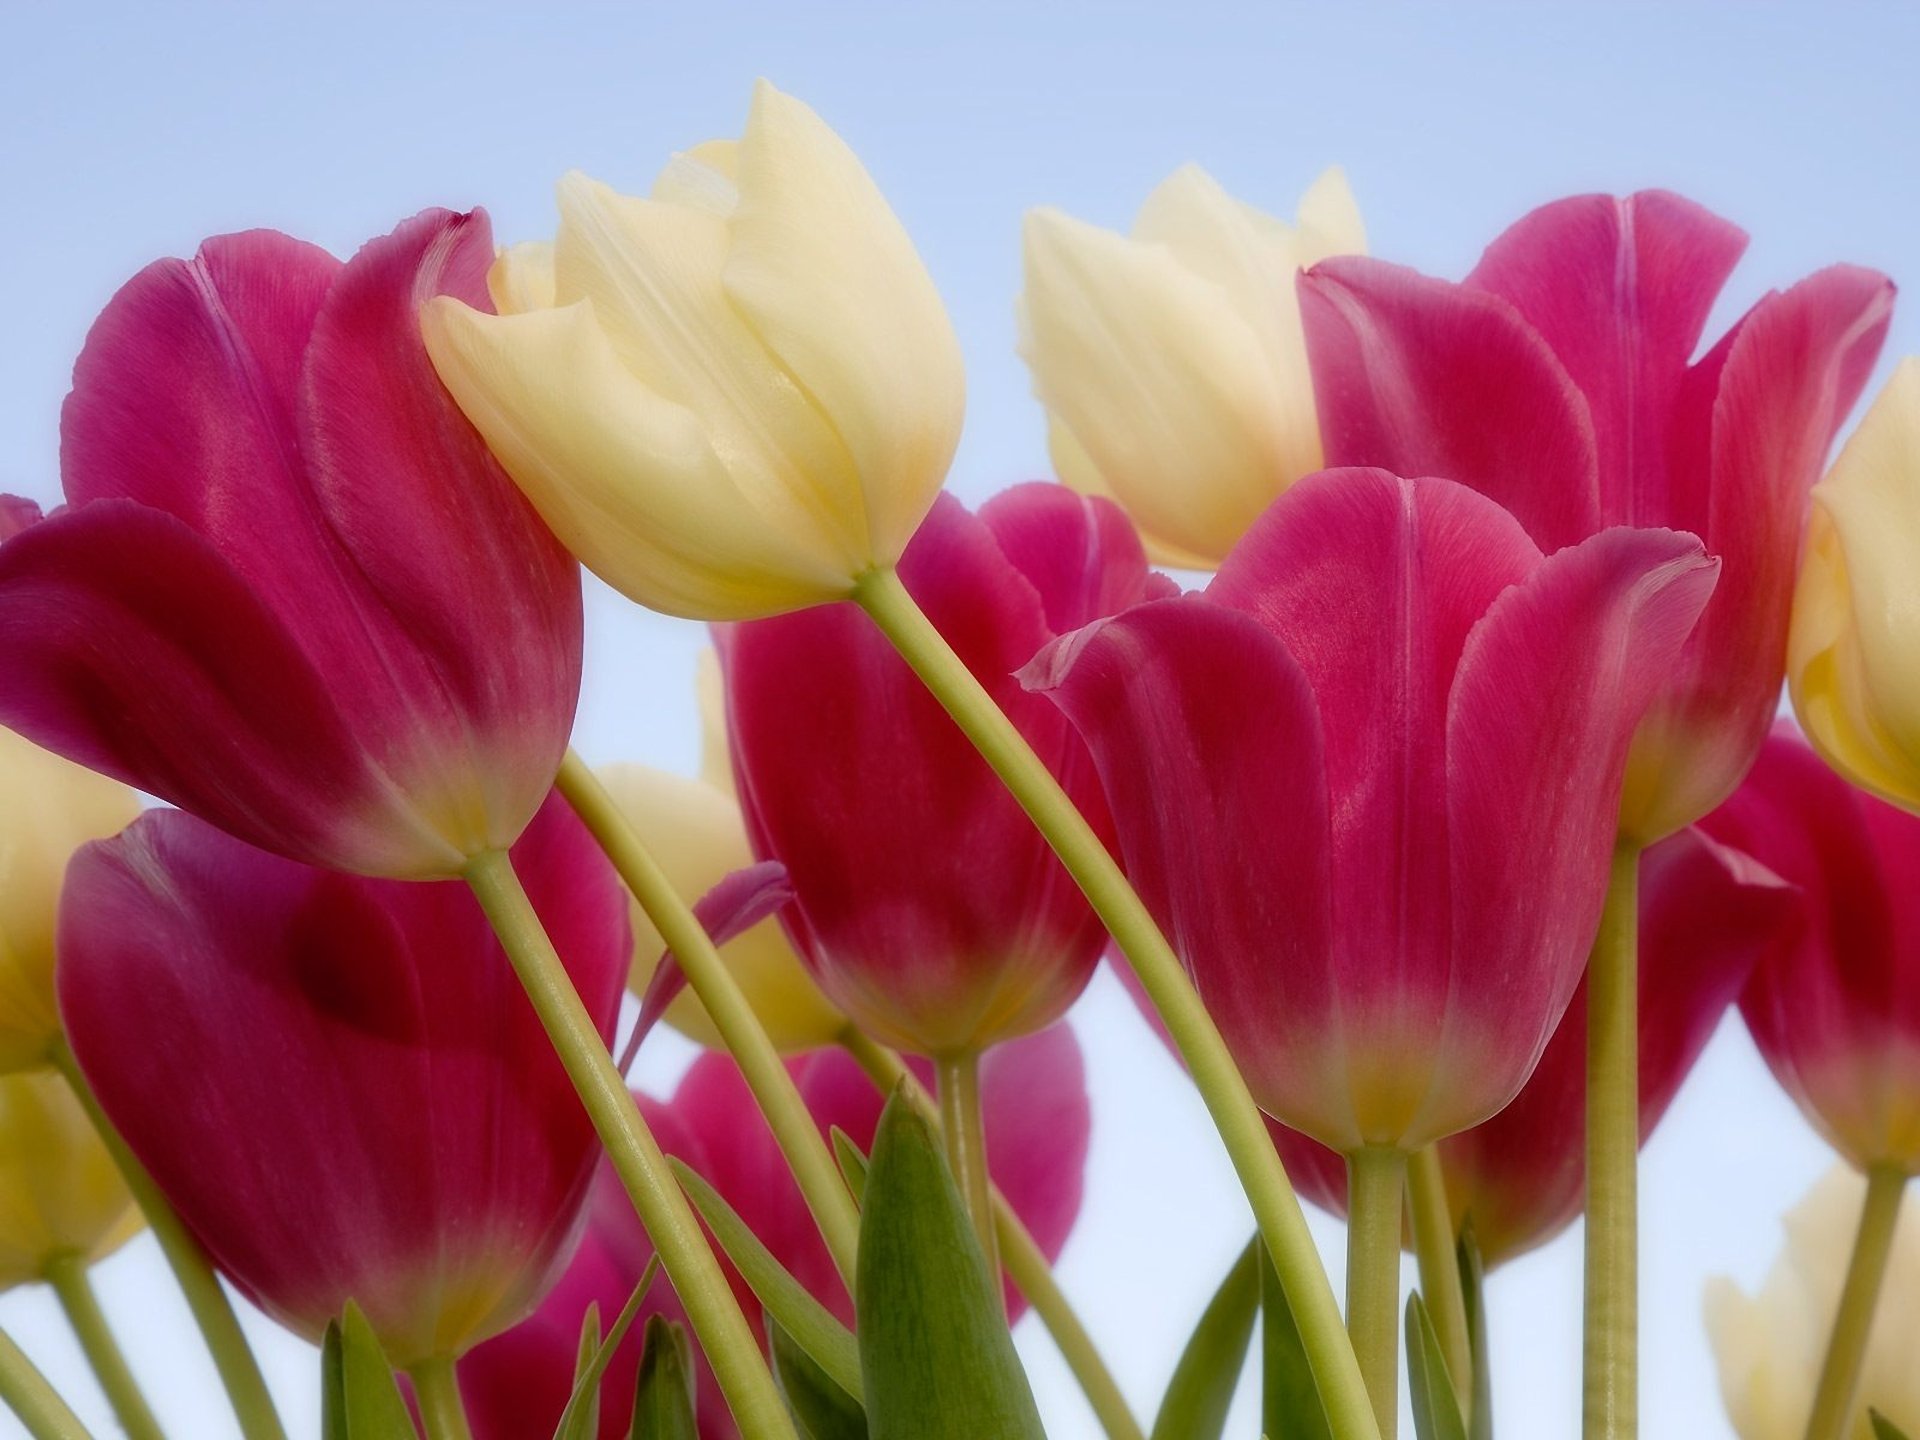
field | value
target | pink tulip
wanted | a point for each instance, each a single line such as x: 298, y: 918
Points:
x: 1366, y: 779
x: 927, y: 905
x: 337, y: 1081
x: 1034, y: 1091
x: 291, y: 591
x: 1559, y: 378
x: 1834, y: 1003
x: 1519, y: 1179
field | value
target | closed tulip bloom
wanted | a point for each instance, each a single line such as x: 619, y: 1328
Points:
x: 337, y: 1081
x: 49, y: 808
x: 1034, y: 1090
x: 1560, y: 378
x: 291, y: 591
x: 926, y: 904
x: 1770, y: 1346
x: 60, y: 1193
x: 1856, y: 687
x: 730, y: 398
x: 1334, y: 771
x: 1172, y: 363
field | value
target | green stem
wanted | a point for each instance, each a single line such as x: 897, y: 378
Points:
x: 37, y: 1404
x: 442, y: 1411
x: 1437, y: 1246
x: 1853, y: 1322
x: 1242, y: 1128
x: 1613, y: 1153
x: 1025, y: 1261
x: 1375, y: 1177
x: 738, y: 1362
x: 67, y: 1274
x: 212, y: 1311
x: 767, y: 1076
x: 964, y: 1129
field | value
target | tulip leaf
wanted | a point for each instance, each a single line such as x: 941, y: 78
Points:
x: 1473, y: 1292
x: 853, y: 1164
x: 359, y: 1398
x: 812, y: 1326
x: 581, y: 1419
x: 1885, y: 1429
x: 333, y: 1386
x: 819, y: 1406
x: 935, y: 1350
x: 1436, y: 1409
x: 663, y: 1396
x: 1201, y: 1392
x: 1289, y: 1399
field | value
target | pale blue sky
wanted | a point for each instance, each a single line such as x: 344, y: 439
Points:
x: 130, y: 131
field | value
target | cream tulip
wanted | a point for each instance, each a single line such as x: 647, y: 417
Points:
x: 1172, y: 364
x: 732, y: 398
x: 60, y: 1195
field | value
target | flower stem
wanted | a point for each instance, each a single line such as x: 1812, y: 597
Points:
x: 1025, y: 1262
x: 1437, y: 1247
x: 67, y: 1274
x: 737, y: 1360
x: 806, y: 1151
x: 964, y: 1129
x: 233, y: 1358
x: 1242, y: 1129
x: 1376, y: 1176
x: 1853, y: 1322
x: 1613, y: 1153
x: 442, y: 1411
x: 34, y: 1402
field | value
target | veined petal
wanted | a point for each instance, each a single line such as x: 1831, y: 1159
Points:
x: 1080, y: 554
x: 522, y: 278
x: 704, y: 178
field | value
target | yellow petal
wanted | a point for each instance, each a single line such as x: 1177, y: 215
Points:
x: 59, y: 1190
x: 1329, y: 220
x: 703, y: 178
x: 521, y: 278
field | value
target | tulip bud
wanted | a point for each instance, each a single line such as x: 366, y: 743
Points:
x: 60, y: 1193
x: 1771, y: 1346
x: 1851, y: 655
x: 1172, y: 363
x: 49, y: 808
x: 732, y: 398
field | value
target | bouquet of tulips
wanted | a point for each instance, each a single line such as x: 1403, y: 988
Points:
x: 1435, y: 828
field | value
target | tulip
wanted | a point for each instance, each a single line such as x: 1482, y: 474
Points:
x: 335, y: 1080
x: 1172, y: 363
x: 732, y: 398
x: 48, y: 809
x: 1769, y: 1346
x: 1850, y: 650
x: 1559, y: 379
x: 60, y: 1195
x: 1035, y: 1094
x: 291, y: 592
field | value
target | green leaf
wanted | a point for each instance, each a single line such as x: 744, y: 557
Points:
x: 853, y: 1164
x: 1473, y: 1291
x: 934, y: 1346
x: 812, y: 1326
x: 1289, y: 1400
x: 333, y: 1386
x: 663, y: 1399
x: 581, y: 1419
x: 1885, y: 1429
x: 359, y: 1399
x: 823, y: 1410
x: 1436, y: 1410
x: 1201, y: 1391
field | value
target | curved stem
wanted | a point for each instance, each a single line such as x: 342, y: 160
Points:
x: 1242, y: 1129
x: 805, y: 1149
x: 964, y: 1129
x: 212, y: 1311
x: 1853, y: 1321
x: 34, y: 1402
x: 737, y: 1360
x: 1375, y: 1177
x: 1613, y: 1154
x: 1026, y: 1263
x: 1437, y: 1247
x: 67, y: 1274
x: 442, y: 1411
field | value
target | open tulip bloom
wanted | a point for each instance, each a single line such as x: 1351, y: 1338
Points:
x: 1423, y: 832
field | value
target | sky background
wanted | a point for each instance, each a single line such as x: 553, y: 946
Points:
x: 130, y: 132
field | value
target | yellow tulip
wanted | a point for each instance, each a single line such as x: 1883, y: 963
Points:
x: 59, y: 1191
x: 732, y: 398
x: 1172, y: 363
x: 1853, y: 652
x: 1770, y: 1347
x: 49, y: 808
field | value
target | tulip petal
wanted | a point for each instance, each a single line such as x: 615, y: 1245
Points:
x: 16, y: 514
x: 1081, y: 553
